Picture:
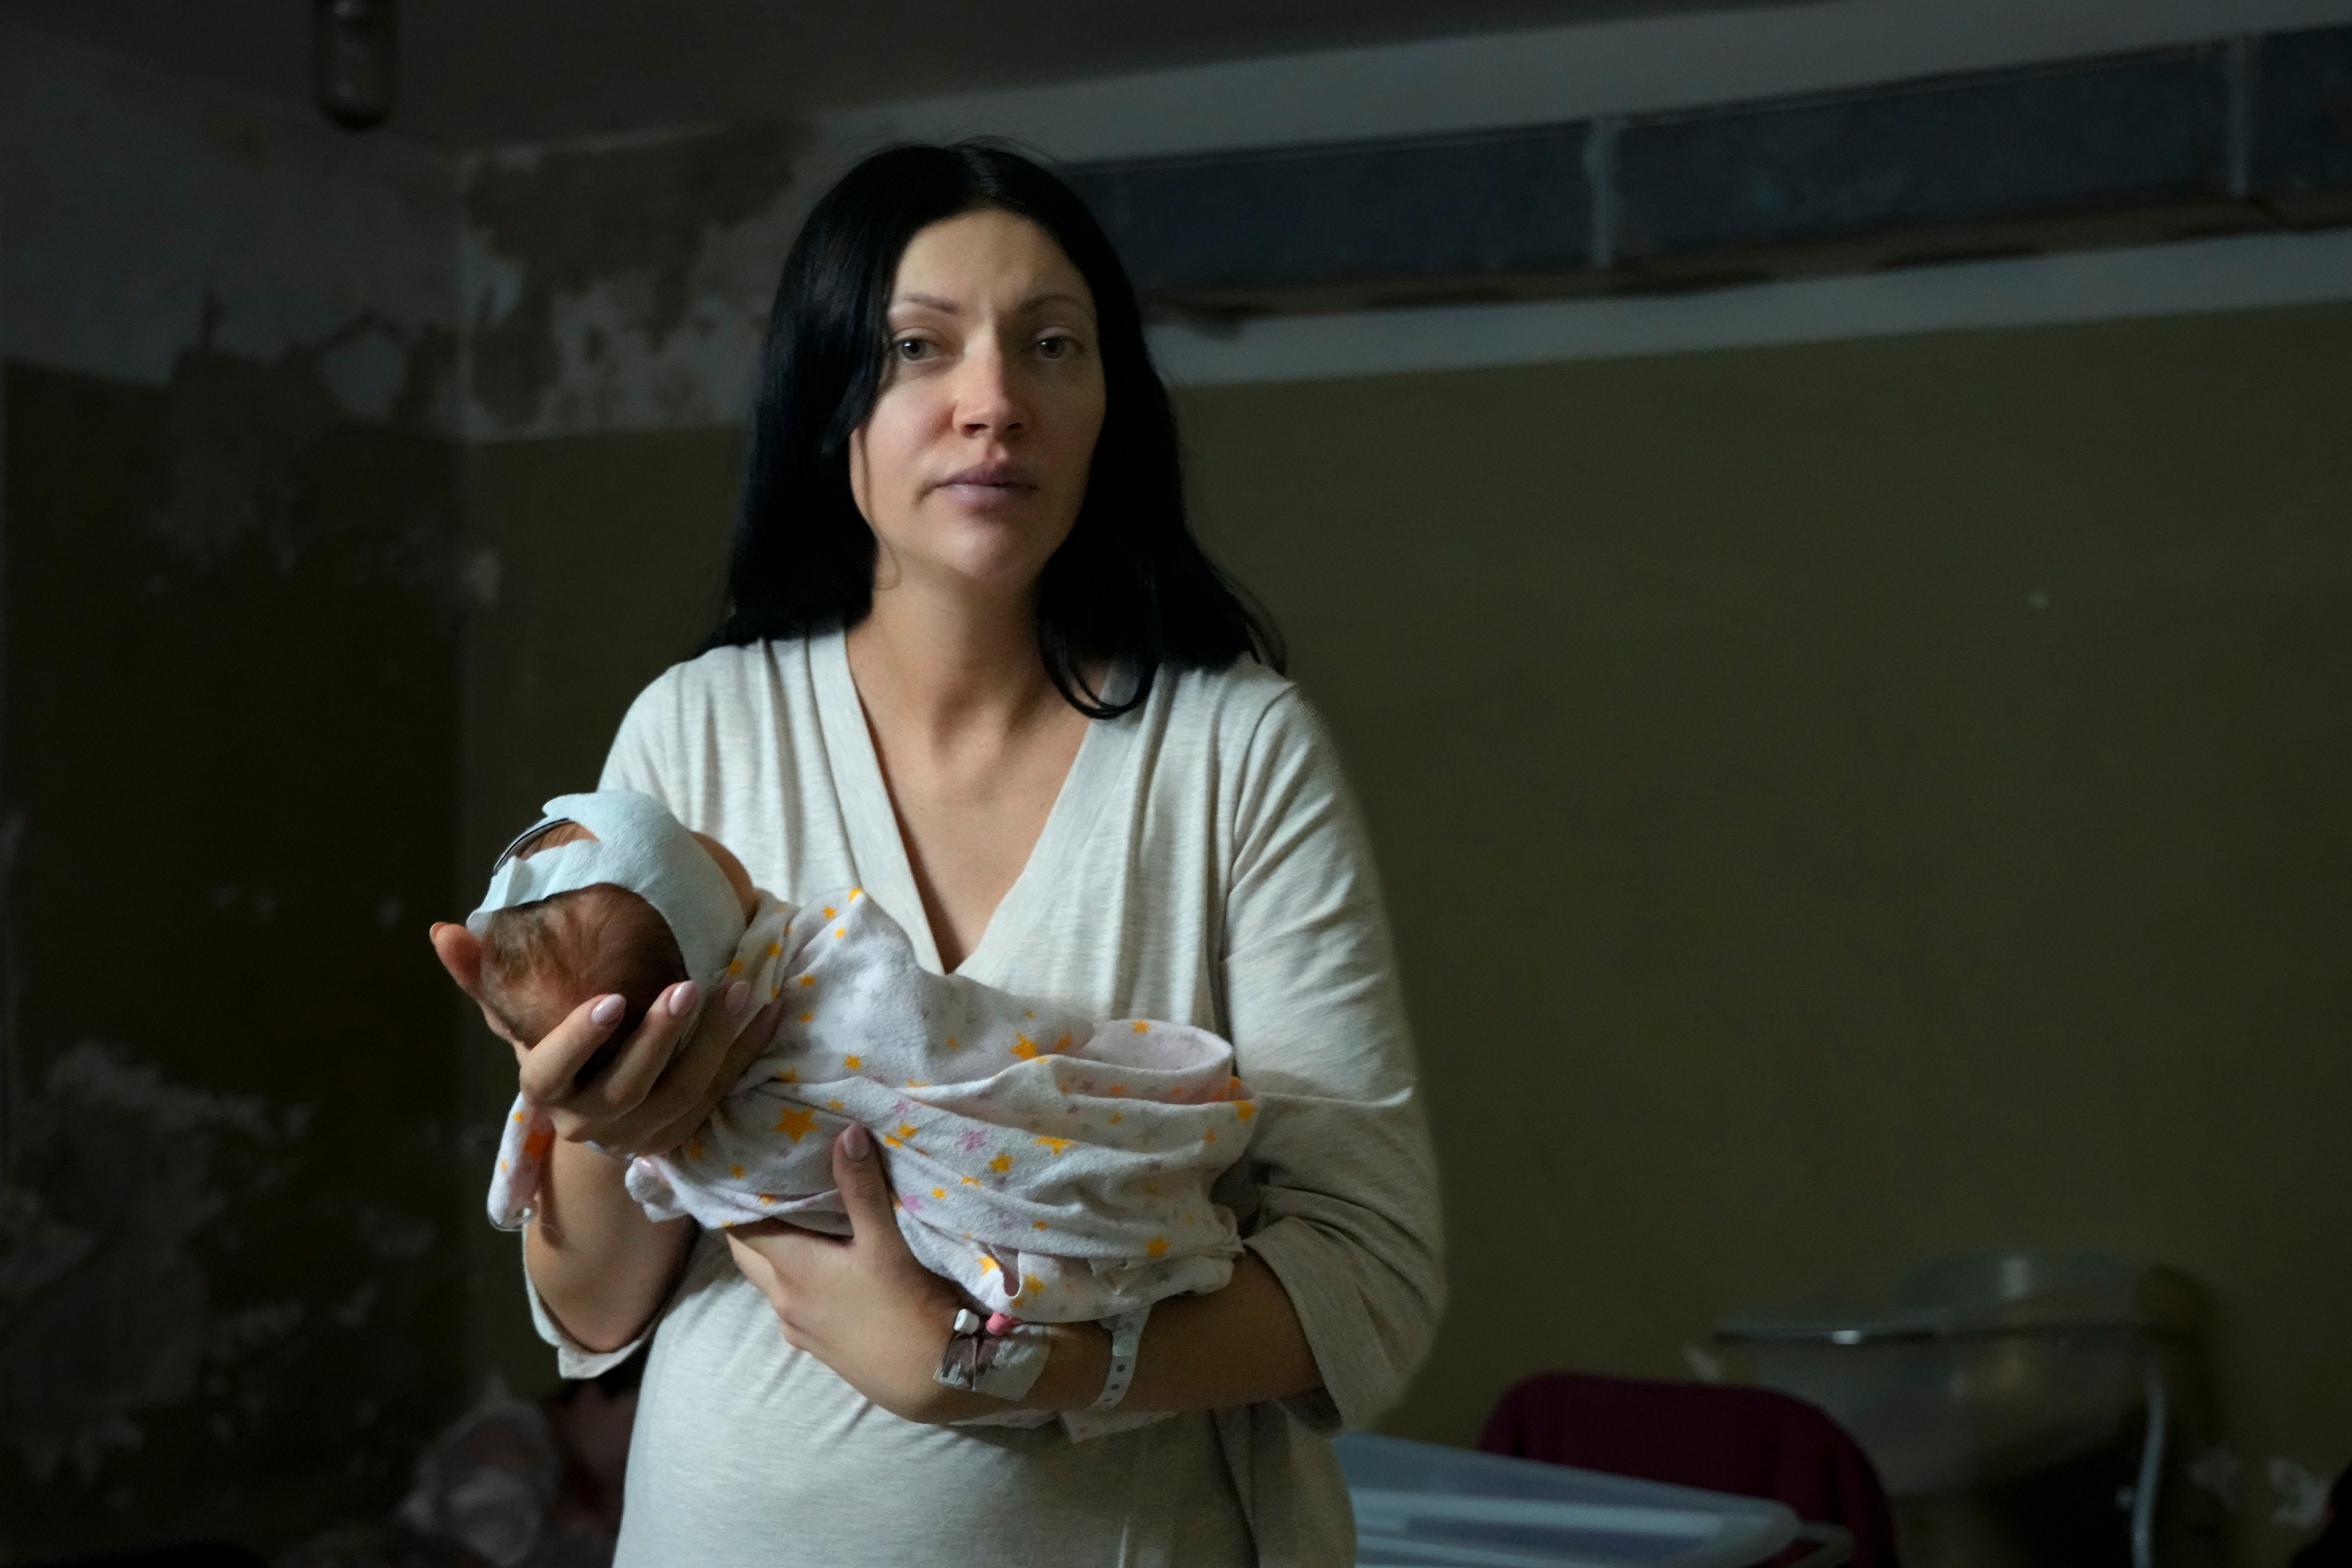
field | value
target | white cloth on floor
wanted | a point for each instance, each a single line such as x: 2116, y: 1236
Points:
x: 1053, y: 1168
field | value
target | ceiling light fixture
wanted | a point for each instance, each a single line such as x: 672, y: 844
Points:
x: 355, y: 59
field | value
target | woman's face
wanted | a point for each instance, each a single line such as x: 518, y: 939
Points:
x: 972, y: 465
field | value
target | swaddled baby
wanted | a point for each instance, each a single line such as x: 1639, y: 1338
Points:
x: 1054, y: 1169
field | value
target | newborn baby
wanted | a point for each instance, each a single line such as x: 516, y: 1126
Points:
x: 1054, y: 1169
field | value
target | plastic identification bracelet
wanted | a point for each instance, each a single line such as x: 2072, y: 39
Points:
x: 1126, y: 1333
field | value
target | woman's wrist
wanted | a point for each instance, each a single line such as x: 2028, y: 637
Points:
x: 1077, y: 1361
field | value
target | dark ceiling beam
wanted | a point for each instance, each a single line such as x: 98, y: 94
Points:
x: 2243, y: 134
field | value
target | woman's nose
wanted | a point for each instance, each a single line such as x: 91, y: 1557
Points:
x: 986, y: 399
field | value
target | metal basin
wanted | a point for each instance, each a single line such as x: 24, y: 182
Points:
x: 1974, y: 1370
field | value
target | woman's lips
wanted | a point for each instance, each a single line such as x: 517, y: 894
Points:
x: 991, y: 484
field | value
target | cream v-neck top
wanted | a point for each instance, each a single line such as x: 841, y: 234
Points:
x: 1203, y: 863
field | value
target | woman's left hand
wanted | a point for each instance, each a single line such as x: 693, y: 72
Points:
x: 862, y: 1305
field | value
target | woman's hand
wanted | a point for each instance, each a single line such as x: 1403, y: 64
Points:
x: 862, y: 1305
x: 655, y: 1091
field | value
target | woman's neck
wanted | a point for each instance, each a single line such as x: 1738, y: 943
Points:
x: 946, y: 667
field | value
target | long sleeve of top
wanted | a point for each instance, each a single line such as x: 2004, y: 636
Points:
x: 1347, y: 1185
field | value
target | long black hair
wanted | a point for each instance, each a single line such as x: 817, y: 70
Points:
x: 1130, y: 585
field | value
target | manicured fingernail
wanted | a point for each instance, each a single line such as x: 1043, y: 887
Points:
x: 735, y: 998
x: 682, y: 997
x: 607, y: 1010
x: 856, y: 1142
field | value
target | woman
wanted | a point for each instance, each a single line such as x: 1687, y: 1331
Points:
x: 977, y: 666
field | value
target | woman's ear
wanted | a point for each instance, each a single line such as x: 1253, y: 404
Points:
x: 460, y: 952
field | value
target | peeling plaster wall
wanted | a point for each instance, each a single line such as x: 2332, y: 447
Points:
x: 623, y: 285
x: 146, y: 208
x: 230, y: 1299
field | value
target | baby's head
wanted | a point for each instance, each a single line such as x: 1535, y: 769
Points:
x: 542, y: 959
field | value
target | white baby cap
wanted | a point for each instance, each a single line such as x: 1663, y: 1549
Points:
x: 638, y: 845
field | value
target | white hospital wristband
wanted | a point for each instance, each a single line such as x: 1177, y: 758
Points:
x: 1126, y: 1334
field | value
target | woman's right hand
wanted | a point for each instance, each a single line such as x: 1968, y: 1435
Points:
x: 657, y: 1089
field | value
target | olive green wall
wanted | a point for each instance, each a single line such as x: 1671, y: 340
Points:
x: 231, y: 1185
x: 1842, y: 805
x: 596, y: 562
x: 1848, y: 804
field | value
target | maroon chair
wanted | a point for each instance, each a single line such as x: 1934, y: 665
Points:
x: 1754, y: 1442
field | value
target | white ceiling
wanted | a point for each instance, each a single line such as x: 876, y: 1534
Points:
x: 477, y: 73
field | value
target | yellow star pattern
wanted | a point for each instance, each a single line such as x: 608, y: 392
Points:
x: 1023, y: 1046
x: 1156, y: 1248
x: 1056, y: 1145
x: 799, y: 1123
x: 851, y: 1062
x: 1002, y: 1164
x: 808, y: 979
x: 1141, y: 1026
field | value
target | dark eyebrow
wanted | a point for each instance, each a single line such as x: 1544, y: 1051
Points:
x: 949, y: 307
x: 1035, y: 300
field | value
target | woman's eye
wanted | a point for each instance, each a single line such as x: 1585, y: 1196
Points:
x: 909, y: 350
x: 1057, y: 348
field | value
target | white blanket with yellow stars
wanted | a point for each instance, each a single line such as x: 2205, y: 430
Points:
x: 1054, y: 1168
